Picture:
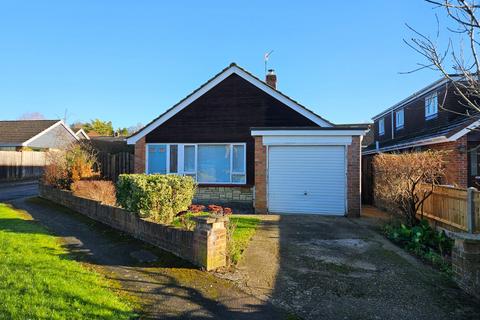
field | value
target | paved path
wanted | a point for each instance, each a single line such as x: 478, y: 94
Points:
x: 337, y: 268
x: 16, y: 190
x: 168, y: 288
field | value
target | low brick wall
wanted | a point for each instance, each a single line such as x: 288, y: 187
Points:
x: 205, y: 246
x: 466, y: 265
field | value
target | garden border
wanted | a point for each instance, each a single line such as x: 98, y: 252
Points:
x: 205, y: 246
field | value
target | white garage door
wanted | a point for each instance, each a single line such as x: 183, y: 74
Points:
x: 306, y: 179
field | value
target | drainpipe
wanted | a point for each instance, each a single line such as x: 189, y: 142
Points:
x: 391, y: 123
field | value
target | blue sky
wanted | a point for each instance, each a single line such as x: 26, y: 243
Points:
x: 128, y: 61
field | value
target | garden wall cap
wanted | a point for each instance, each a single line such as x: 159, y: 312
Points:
x: 210, y: 219
x: 474, y: 237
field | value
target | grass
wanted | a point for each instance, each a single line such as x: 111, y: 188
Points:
x: 245, y: 228
x: 38, y: 279
x: 242, y: 229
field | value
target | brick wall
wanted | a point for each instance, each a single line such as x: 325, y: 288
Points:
x: 205, y: 246
x: 260, y: 176
x: 139, y: 161
x: 354, y: 194
x: 466, y: 265
x: 457, y: 166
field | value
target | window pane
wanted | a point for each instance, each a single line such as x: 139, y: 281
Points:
x: 238, y: 161
x: 189, y: 159
x: 213, y: 163
x: 473, y: 162
x: 238, y: 178
x: 192, y: 175
x: 174, y: 158
x: 157, y: 159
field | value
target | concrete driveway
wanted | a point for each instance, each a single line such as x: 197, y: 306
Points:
x: 337, y: 268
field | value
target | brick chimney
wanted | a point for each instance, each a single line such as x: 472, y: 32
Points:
x: 271, y: 78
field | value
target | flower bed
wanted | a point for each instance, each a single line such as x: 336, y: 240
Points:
x: 423, y: 241
x: 240, y: 229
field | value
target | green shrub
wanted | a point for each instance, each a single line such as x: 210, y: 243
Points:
x: 423, y: 241
x: 155, y: 196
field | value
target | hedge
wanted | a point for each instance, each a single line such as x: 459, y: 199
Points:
x: 155, y: 196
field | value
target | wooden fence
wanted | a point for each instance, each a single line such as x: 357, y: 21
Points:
x: 16, y: 165
x: 455, y: 208
x: 111, y: 165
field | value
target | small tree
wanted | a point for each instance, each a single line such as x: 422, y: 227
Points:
x: 104, y: 128
x: 406, y: 180
x: 74, y: 163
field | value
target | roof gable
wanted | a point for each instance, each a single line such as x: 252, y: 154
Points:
x: 232, y: 69
x: 22, y: 132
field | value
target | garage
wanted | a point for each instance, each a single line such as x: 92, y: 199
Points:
x: 306, y: 179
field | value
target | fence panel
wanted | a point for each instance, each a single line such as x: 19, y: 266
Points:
x: 111, y: 165
x: 21, y: 164
x: 449, y: 206
x: 476, y: 211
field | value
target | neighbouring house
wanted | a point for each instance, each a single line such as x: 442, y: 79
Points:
x: 82, y: 135
x: 432, y: 118
x: 16, y: 135
x: 248, y: 144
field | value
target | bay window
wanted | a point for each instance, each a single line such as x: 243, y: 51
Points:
x: 214, y: 163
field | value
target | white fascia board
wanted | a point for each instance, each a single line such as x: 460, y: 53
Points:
x: 274, y: 93
x: 420, y: 143
x: 465, y: 131
x: 308, y: 132
x: 306, y: 140
x: 82, y: 132
x: 60, y: 122
x: 233, y: 69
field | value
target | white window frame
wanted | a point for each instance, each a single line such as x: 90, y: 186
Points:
x: 431, y: 111
x: 399, y: 125
x: 381, y: 127
x: 181, y: 154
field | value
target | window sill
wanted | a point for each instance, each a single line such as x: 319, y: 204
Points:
x: 225, y: 185
x: 399, y: 128
x: 432, y: 116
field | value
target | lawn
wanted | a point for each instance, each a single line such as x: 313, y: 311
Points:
x: 243, y: 230
x: 38, y: 280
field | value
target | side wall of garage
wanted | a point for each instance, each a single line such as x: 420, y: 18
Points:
x: 353, y: 177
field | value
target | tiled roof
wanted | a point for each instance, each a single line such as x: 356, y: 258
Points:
x: 16, y: 132
x: 443, y: 131
x: 233, y: 64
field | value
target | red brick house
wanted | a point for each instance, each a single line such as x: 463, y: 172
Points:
x: 432, y: 118
x: 247, y: 144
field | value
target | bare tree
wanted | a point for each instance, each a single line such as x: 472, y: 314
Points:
x: 458, y: 60
x: 406, y: 180
x: 32, y: 116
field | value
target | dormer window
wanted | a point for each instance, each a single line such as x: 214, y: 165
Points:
x: 399, y: 119
x: 431, y: 106
x: 381, y: 127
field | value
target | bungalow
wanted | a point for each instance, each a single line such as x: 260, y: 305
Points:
x: 246, y: 143
x: 35, y: 134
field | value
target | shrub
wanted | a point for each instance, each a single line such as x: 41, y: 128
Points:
x: 423, y: 241
x: 406, y: 180
x: 69, y: 165
x: 155, y: 196
x: 99, y: 190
